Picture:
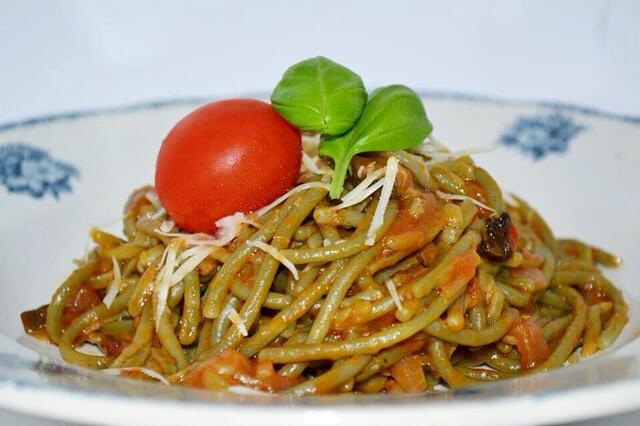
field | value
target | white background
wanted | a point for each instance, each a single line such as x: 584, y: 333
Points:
x: 60, y: 56
x: 69, y: 55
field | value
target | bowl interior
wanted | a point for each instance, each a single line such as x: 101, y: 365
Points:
x: 577, y: 168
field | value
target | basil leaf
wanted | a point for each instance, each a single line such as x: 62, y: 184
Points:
x: 319, y: 95
x: 393, y: 119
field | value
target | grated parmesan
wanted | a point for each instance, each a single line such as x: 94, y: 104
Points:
x: 391, y: 286
x: 146, y: 371
x: 453, y: 197
x: 114, y: 287
x: 163, y: 281
x: 356, y: 198
x: 167, y: 226
x: 158, y: 213
x: 362, y: 190
x: 387, y: 187
x: 275, y: 253
x: 190, y: 262
x: 310, y: 163
x: 186, y: 254
x: 244, y: 390
x: 234, y: 317
x: 152, y: 197
x: 228, y: 228
x: 294, y: 190
x: 174, y: 268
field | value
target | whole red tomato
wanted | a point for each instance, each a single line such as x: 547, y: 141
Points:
x: 229, y: 156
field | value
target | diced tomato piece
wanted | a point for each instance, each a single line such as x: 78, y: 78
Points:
x: 235, y: 368
x: 409, y: 374
x: 414, y: 227
x: 270, y: 380
x: 531, y: 344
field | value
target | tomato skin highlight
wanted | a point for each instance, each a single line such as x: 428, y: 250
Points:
x: 235, y: 155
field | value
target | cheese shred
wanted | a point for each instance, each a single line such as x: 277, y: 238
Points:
x: 387, y: 187
x: 361, y: 196
x: 295, y: 190
x: 275, y: 253
x: 393, y: 292
x: 454, y: 197
x: 197, y: 256
x: 363, y: 190
x: 235, y: 318
x: 166, y: 226
x: 115, y: 285
x: 163, y: 282
x: 310, y: 163
x: 228, y: 229
x: 152, y: 197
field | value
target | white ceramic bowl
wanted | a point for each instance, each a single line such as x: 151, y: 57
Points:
x: 61, y: 174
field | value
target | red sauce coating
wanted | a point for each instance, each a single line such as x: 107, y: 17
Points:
x: 531, y: 344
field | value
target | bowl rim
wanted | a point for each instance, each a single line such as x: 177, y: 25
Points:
x: 12, y: 385
x: 150, y: 104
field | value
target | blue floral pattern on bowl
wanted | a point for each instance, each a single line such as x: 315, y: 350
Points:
x: 30, y: 170
x: 539, y: 135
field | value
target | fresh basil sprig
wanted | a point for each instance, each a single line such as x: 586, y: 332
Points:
x: 319, y: 95
x: 393, y: 119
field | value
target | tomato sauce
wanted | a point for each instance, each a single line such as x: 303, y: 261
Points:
x: 593, y: 294
x: 531, y: 344
x: 476, y: 191
x: 83, y: 299
x: 474, y: 294
x: 464, y: 269
x: 237, y: 369
x: 418, y: 219
x: 111, y: 347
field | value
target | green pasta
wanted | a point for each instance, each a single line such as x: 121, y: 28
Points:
x: 341, y: 372
x: 304, y: 301
x: 475, y: 338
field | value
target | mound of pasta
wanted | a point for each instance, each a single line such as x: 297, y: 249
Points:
x: 420, y: 275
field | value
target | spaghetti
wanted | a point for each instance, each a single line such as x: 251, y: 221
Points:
x: 421, y: 276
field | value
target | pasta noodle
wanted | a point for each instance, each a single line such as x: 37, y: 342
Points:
x: 420, y: 276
